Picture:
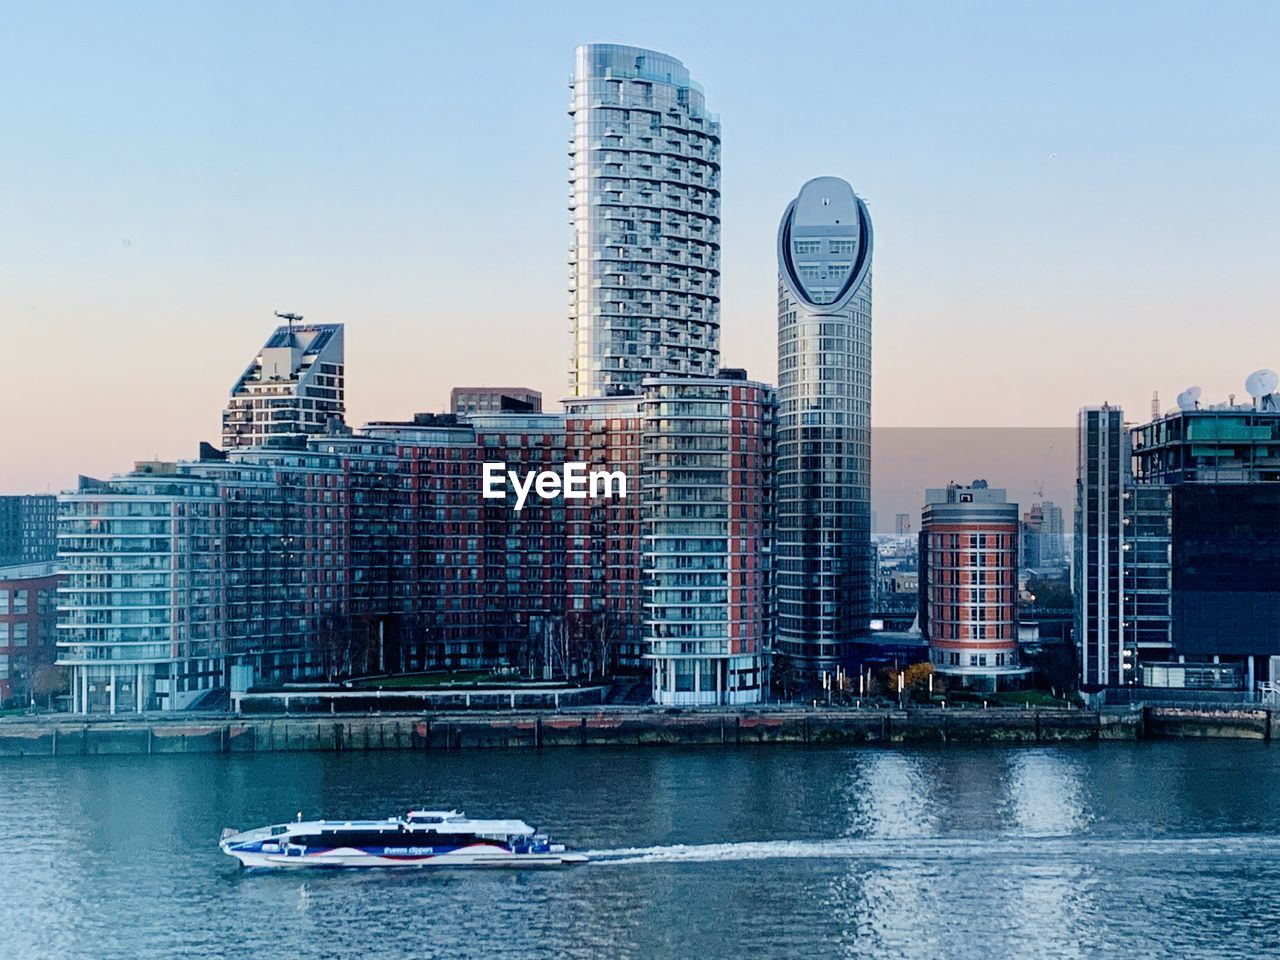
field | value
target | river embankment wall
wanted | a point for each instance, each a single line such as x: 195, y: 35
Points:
x: 68, y: 736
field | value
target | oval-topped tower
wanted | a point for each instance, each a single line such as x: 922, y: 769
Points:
x: 823, y: 446
x: 824, y: 243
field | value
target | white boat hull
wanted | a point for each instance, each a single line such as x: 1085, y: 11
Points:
x: 423, y: 838
x: 481, y: 856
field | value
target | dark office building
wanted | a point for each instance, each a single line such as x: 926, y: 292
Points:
x: 28, y: 528
x: 1226, y: 571
x: 1222, y: 464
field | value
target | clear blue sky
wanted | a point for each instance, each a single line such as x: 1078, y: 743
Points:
x: 1073, y: 202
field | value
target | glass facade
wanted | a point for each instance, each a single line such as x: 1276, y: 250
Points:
x: 1098, y: 574
x: 644, y: 265
x: 1147, y: 571
x: 824, y: 557
x: 1231, y: 444
x: 1226, y: 570
x: 138, y: 609
x: 706, y: 522
x: 1177, y: 541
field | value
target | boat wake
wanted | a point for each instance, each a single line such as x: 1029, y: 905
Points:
x: 1027, y: 848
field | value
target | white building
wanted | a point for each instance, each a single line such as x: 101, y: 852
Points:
x: 644, y: 265
x: 138, y: 614
x: 293, y: 388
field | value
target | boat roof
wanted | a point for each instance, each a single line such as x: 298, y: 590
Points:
x: 459, y: 819
x: 440, y: 820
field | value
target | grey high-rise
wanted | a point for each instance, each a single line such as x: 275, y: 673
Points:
x: 644, y: 266
x: 824, y: 425
x: 1102, y: 474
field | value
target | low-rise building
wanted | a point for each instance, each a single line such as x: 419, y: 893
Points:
x: 468, y: 400
x: 28, y: 617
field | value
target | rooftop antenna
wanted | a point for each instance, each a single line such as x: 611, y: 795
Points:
x: 1189, y: 399
x: 1261, y: 385
x: 291, y: 318
x: 1155, y: 404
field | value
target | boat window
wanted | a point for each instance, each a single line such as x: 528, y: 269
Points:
x: 276, y: 831
x: 330, y: 839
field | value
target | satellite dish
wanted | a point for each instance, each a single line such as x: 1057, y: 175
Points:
x: 1189, y: 398
x: 1261, y: 383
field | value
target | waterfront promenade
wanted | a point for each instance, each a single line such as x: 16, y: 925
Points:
x: 225, y: 733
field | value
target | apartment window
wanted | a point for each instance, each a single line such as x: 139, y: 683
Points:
x: 841, y: 246
x: 808, y: 247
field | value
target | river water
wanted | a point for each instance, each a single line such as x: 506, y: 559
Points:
x: 1146, y: 850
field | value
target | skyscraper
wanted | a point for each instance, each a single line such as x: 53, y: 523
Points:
x: 644, y: 266
x: 292, y: 389
x: 1101, y: 474
x: 824, y: 425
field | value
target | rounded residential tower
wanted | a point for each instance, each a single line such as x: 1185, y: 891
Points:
x: 644, y: 181
x: 824, y: 426
x: 969, y: 585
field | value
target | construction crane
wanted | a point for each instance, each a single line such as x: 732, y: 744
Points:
x: 1038, y: 487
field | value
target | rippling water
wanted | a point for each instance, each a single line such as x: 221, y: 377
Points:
x: 1165, y: 849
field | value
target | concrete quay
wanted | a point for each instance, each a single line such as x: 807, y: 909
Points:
x: 213, y: 733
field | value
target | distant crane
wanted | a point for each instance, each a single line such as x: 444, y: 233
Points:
x: 1038, y: 484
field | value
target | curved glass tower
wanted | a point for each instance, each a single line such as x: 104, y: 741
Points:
x: 644, y: 267
x: 823, y: 564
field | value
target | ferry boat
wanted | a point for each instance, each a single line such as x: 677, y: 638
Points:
x: 421, y: 838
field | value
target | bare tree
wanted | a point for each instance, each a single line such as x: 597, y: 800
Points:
x: 605, y: 635
x: 334, y: 643
x: 562, y: 647
x: 47, y: 680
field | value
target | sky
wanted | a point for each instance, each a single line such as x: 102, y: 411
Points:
x: 1073, y: 203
